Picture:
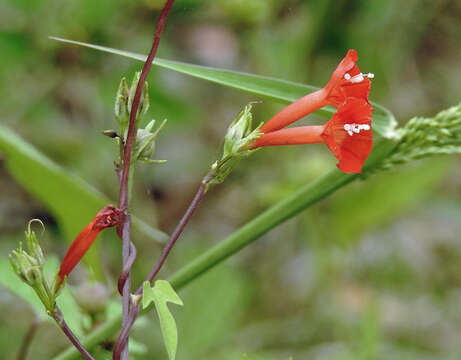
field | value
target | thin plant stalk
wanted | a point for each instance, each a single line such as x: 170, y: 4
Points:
x: 269, y: 219
x: 123, y: 337
x: 59, y: 318
x: 28, y: 339
x: 124, y: 229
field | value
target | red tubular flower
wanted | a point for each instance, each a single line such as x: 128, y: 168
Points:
x: 346, y: 81
x: 347, y: 134
x: 108, y: 216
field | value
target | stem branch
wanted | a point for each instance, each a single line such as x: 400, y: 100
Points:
x: 59, y: 318
x: 123, y: 337
x: 179, y: 228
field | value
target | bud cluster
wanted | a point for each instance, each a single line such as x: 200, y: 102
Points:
x: 124, y: 102
x: 145, y: 143
x: 424, y: 137
x: 28, y: 265
x: 145, y: 137
x: 239, y: 138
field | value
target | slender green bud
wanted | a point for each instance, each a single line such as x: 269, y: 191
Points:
x: 16, y: 267
x: 121, y: 110
x: 32, y: 243
x: 124, y: 101
x: 33, y: 276
x: 121, y: 99
x: 144, y: 100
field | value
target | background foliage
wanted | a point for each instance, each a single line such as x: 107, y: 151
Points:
x: 372, y: 272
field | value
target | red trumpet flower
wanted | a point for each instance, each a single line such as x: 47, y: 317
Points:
x: 347, y: 134
x: 346, y: 81
x: 108, y: 216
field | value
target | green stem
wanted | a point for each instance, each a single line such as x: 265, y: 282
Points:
x: 285, y: 209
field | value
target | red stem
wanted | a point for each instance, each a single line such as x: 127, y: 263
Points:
x: 123, y: 337
x: 179, y: 229
x: 124, y: 230
x: 58, y: 317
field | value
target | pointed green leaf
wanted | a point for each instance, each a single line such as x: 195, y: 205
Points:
x: 72, y: 201
x: 147, y: 294
x: 278, y: 90
x: 161, y: 294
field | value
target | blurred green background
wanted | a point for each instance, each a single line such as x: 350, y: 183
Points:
x: 373, y: 272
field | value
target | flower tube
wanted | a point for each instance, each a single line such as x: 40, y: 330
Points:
x: 348, y: 134
x: 346, y: 81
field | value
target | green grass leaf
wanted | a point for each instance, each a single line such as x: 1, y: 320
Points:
x: 282, y: 91
x: 66, y: 302
x: 160, y: 294
x: 72, y: 201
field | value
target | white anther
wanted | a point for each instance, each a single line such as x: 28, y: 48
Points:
x: 357, y: 78
x: 352, y: 129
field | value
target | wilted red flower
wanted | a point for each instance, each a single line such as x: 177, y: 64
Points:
x: 108, y: 216
x: 346, y: 81
x: 347, y: 134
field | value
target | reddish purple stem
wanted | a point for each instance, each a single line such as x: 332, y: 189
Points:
x: 121, y: 349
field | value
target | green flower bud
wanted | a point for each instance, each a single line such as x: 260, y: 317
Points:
x: 121, y: 110
x: 237, y: 144
x: 144, y: 100
x: 35, y: 250
x: 121, y: 99
x: 145, y: 143
x: 33, y: 276
x: 22, y: 264
x: 124, y: 102
x: 240, y: 135
x: 29, y: 268
x: 17, y: 268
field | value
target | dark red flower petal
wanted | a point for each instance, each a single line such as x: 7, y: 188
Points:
x: 348, y: 134
x: 77, y: 249
x: 108, y: 216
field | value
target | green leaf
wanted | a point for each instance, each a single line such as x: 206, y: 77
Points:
x: 278, y: 90
x: 11, y: 281
x: 72, y: 201
x: 160, y: 294
x: 66, y: 302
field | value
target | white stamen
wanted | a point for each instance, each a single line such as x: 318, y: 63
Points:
x: 358, y: 78
x: 352, y: 129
